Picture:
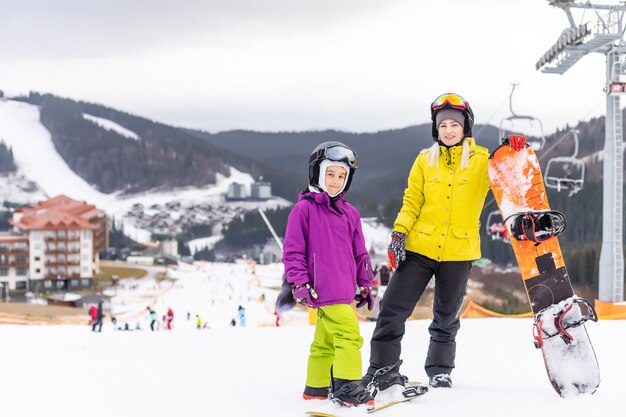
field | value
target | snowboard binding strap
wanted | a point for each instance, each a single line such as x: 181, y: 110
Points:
x: 347, y: 389
x: 382, y: 378
x: 539, y: 333
x: 536, y: 226
x: 390, y: 375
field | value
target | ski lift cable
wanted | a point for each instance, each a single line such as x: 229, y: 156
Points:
x: 547, y: 151
x: 491, y: 117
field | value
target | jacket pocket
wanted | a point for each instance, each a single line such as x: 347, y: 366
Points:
x: 465, y: 242
x: 432, y: 185
x: 463, y: 179
x: 420, y: 238
x: 425, y: 228
x: 464, y: 233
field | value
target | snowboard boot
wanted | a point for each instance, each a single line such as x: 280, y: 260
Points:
x: 350, y: 393
x: 311, y: 393
x: 385, y: 378
x: 440, y: 381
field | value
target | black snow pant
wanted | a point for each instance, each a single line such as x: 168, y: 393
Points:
x: 404, y: 291
x: 97, y: 324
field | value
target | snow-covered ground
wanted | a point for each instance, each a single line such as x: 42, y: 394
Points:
x: 259, y: 370
x: 20, y: 189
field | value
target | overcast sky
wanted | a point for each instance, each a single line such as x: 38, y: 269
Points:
x: 356, y: 65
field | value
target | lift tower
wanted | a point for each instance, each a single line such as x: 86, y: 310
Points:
x: 605, y: 35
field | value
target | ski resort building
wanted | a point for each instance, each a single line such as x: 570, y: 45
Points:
x: 54, y: 245
x: 13, y: 262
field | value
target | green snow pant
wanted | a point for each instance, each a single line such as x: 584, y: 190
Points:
x: 337, y: 343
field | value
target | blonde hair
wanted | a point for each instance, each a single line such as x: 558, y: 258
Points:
x: 433, y: 155
x: 465, y: 154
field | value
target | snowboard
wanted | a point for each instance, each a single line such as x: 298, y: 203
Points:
x: 559, y: 331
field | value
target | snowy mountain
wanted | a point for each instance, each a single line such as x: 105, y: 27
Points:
x: 259, y: 370
x: 42, y: 172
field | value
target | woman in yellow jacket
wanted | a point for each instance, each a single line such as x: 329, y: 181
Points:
x: 436, y: 233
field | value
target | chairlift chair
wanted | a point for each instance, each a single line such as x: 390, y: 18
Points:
x: 571, y: 177
x: 535, y: 143
x: 496, y: 228
x: 566, y: 172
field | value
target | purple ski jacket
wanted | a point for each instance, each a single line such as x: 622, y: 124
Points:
x: 324, y: 247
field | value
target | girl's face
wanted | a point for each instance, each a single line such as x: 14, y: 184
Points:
x: 450, y: 132
x: 334, y: 178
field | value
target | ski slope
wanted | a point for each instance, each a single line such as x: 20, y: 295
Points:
x: 259, y: 370
x: 38, y: 161
x: 107, y: 124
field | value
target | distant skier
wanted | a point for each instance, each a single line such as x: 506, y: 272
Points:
x: 169, y: 317
x: 97, y: 323
x: 498, y: 231
x: 436, y: 233
x: 385, y: 274
x: 93, y: 313
x: 328, y: 264
x: 153, y: 318
x: 242, y: 316
x: 198, y: 322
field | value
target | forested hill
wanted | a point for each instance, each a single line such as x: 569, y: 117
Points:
x: 162, y: 156
x: 385, y: 157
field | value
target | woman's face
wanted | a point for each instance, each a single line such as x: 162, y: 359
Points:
x: 450, y: 132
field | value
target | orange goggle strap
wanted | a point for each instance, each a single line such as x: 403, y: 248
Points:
x: 449, y: 99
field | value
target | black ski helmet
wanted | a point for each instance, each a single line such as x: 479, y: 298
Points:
x: 451, y: 101
x: 332, y: 151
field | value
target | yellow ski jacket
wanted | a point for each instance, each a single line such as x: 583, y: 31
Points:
x: 442, y: 204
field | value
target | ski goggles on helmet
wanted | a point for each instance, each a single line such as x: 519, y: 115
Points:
x: 339, y: 154
x: 451, y: 100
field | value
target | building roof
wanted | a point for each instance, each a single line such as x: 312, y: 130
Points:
x: 58, y: 213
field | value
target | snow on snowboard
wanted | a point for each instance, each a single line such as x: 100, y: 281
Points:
x: 559, y: 330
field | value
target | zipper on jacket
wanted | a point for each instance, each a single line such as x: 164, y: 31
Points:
x: 314, y: 270
x: 368, y: 272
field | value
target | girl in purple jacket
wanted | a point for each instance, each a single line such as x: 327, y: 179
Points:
x: 328, y: 265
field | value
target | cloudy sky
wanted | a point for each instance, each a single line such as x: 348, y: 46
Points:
x: 356, y: 65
